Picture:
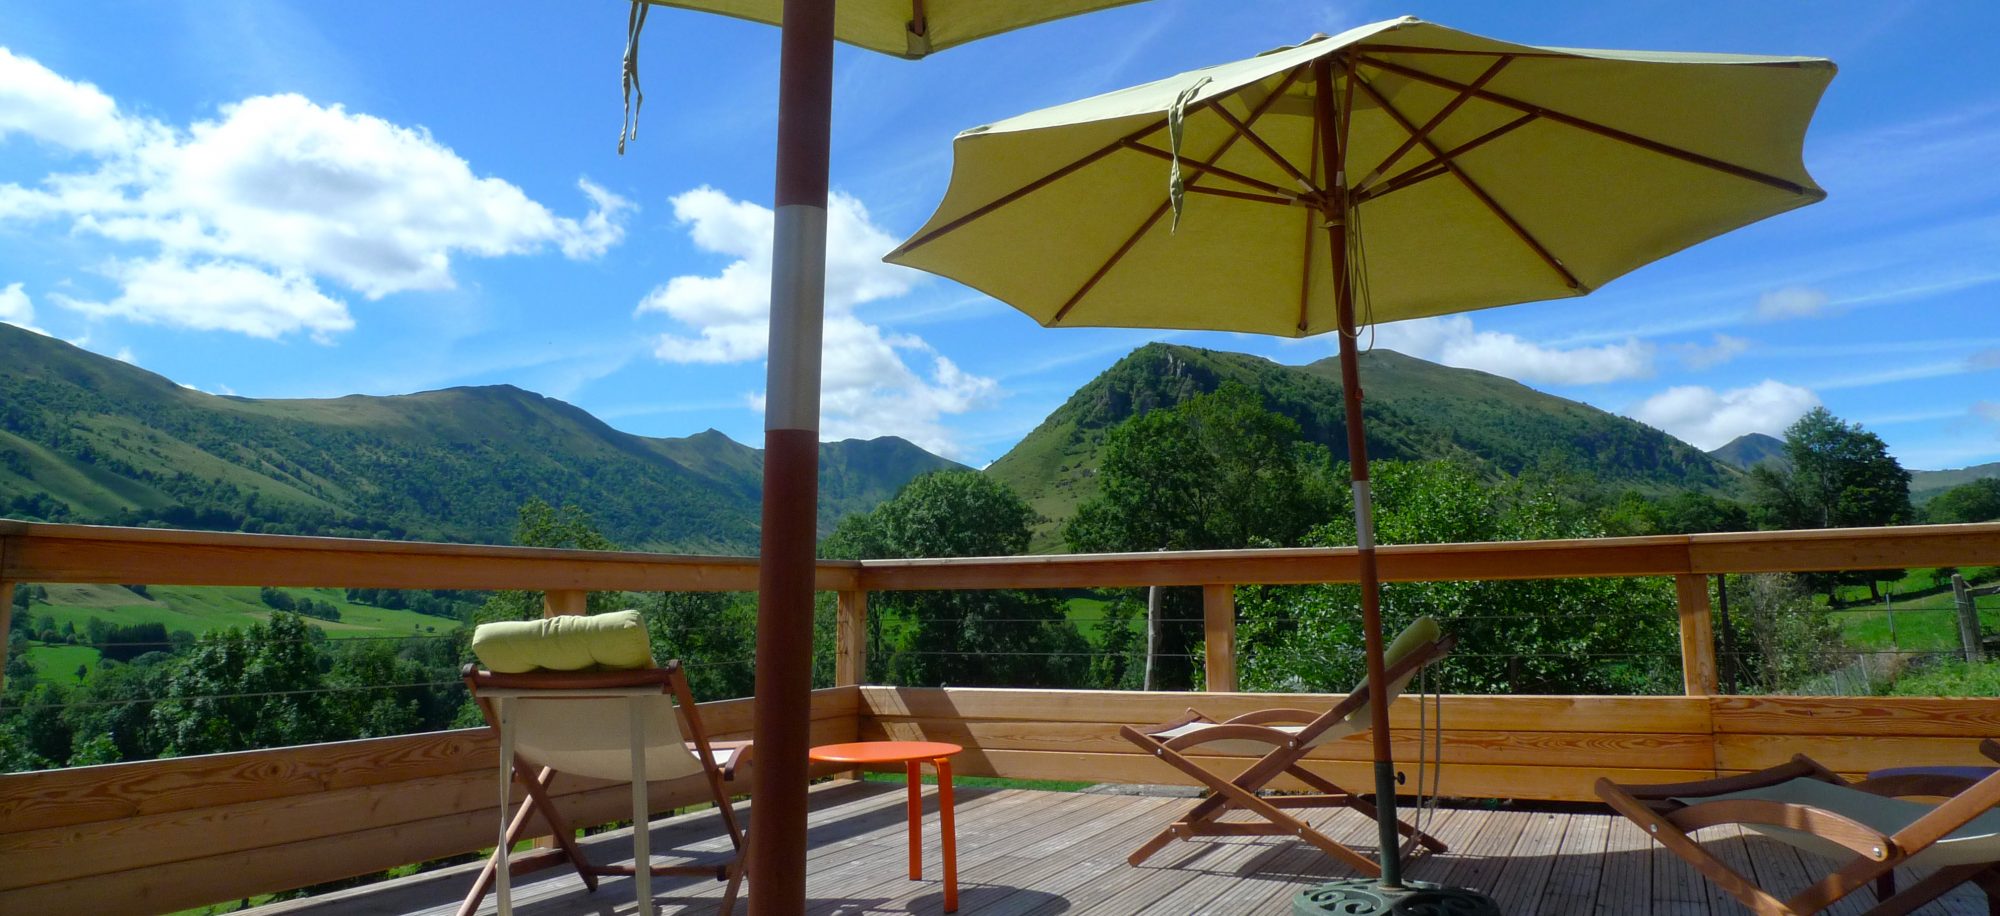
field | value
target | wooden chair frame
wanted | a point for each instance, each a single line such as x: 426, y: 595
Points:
x: 669, y: 679
x: 1287, y: 750
x: 1876, y: 855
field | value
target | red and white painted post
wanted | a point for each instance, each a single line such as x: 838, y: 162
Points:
x: 791, y: 464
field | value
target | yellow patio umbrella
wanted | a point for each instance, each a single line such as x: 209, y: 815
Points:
x: 905, y: 28
x: 911, y: 28
x: 1393, y: 171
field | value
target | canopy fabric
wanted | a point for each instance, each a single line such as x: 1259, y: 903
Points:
x: 911, y: 28
x: 1481, y: 172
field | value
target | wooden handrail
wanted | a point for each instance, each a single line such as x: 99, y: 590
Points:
x: 38, y: 552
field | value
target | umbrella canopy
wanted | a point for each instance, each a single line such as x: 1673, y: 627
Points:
x: 1481, y: 173
x: 911, y: 28
x: 1397, y: 170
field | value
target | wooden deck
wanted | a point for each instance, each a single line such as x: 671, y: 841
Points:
x: 1023, y: 853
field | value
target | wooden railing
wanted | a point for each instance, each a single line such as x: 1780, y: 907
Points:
x: 158, y: 835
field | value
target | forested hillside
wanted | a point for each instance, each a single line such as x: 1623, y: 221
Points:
x: 1414, y: 410
x: 89, y: 439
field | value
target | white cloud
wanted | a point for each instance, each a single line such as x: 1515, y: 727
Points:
x: 17, y: 309
x: 38, y: 102
x: 1987, y: 410
x: 1453, y: 341
x: 287, y: 188
x: 218, y: 296
x: 1710, y: 419
x: 1720, y: 349
x: 869, y: 387
x: 1791, y: 302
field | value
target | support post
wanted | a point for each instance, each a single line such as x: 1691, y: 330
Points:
x: 1218, y: 617
x: 1152, y: 635
x: 1968, y: 620
x: 781, y: 723
x: 565, y: 603
x: 1697, y: 635
x: 850, y: 660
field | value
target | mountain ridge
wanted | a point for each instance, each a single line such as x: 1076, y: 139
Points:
x: 1413, y: 409
x: 87, y: 438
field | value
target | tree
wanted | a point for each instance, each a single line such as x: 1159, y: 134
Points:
x: 714, y: 635
x: 990, y: 638
x: 1216, y: 471
x: 1596, y: 635
x: 1978, y: 501
x: 542, y: 525
x: 242, y: 689
x: 1837, y: 475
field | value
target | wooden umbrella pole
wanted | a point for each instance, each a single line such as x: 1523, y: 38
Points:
x: 782, y: 719
x: 1333, y: 150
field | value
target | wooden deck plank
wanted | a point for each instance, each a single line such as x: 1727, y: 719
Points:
x: 1023, y: 853
x: 1625, y: 886
x: 1579, y: 865
x: 1529, y: 864
x: 1678, y: 890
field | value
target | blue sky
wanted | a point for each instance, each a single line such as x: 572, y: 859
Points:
x: 313, y: 199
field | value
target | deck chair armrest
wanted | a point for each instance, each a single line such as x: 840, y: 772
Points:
x: 1659, y: 794
x: 1215, y: 733
x: 1274, y: 716
x: 1952, y: 814
x: 1990, y: 748
x: 742, y: 753
x: 1827, y: 825
x: 479, y: 679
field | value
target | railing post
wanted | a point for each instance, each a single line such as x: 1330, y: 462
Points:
x: 1961, y: 597
x: 6, y: 623
x: 1218, y: 617
x: 850, y: 656
x: 1697, y: 635
x: 565, y: 602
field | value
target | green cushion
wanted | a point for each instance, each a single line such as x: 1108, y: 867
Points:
x: 564, y: 643
x: 1421, y: 632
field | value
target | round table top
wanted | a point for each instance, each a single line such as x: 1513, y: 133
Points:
x: 883, y: 751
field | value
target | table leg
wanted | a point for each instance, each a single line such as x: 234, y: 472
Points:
x: 915, y: 770
x: 950, y: 832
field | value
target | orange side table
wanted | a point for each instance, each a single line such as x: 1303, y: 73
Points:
x: 912, y: 755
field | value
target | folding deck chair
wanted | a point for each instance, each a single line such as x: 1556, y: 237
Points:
x: 1870, y: 827
x: 1283, y: 746
x: 611, y: 724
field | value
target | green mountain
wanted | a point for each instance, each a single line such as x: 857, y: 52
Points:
x: 1413, y: 410
x: 1749, y: 450
x: 89, y: 439
x: 1926, y: 484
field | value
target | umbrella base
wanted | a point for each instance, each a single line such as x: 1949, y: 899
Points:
x: 1364, y: 897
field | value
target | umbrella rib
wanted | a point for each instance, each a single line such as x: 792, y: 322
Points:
x: 1520, y: 231
x: 918, y: 23
x: 1305, y: 260
x: 1265, y: 148
x: 1613, y: 133
x: 1463, y: 96
x: 1286, y: 196
x: 1581, y: 54
x: 1286, y: 201
x: 1199, y: 170
x: 1434, y: 168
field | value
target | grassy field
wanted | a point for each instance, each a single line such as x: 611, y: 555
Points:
x: 1925, y: 617
x: 201, y: 609
x: 196, y: 610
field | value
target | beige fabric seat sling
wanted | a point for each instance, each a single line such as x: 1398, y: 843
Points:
x: 1283, y: 738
